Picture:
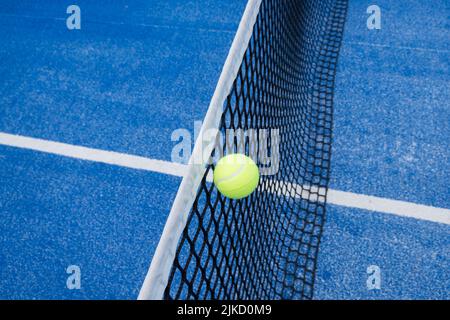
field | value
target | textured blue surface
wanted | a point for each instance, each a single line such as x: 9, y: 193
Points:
x: 140, y: 69
x: 392, y: 112
x: 413, y: 256
x: 391, y: 139
x: 113, y: 84
x: 58, y: 212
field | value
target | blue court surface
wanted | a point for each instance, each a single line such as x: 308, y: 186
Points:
x: 137, y: 70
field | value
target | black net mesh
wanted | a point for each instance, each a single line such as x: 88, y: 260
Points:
x: 265, y: 246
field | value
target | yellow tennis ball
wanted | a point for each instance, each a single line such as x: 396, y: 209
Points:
x: 236, y: 176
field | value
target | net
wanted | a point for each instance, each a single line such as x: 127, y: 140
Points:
x: 265, y: 246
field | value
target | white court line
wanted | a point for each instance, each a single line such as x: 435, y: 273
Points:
x: 336, y: 197
x: 97, y: 155
x: 396, y: 207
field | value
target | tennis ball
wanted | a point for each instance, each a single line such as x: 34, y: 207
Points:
x: 236, y: 176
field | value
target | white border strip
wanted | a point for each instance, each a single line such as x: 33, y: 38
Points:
x: 158, y: 273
